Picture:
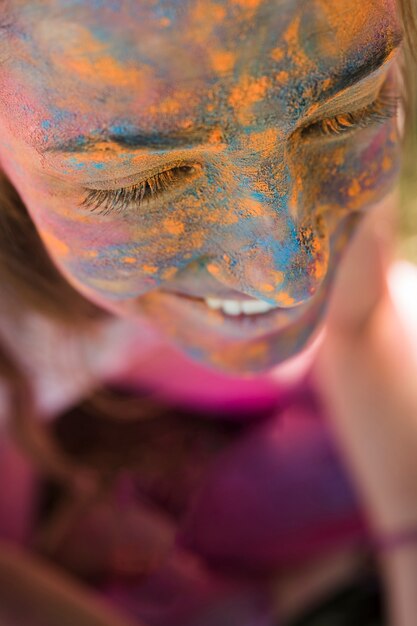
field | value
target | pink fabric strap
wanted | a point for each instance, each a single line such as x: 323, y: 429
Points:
x: 395, y: 540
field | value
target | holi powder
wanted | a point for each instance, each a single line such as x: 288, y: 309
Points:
x: 227, y: 90
x: 197, y: 169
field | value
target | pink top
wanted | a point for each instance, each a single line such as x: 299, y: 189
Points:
x: 64, y: 367
x: 244, y: 502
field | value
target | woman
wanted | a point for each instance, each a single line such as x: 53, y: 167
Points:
x: 196, y: 171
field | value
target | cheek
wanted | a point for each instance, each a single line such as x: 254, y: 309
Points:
x: 368, y: 172
x: 340, y: 178
x: 119, y: 257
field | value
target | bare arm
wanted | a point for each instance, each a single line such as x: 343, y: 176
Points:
x: 368, y: 380
x: 33, y: 593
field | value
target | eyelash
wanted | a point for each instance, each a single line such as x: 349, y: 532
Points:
x: 104, y: 201
x: 383, y: 108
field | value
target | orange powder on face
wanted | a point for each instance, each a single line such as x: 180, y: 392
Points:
x: 252, y: 208
x: 173, y: 226
x: 284, y: 299
x: 203, y: 18
x: 218, y: 12
x: 255, y: 352
x: 167, y: 106
x: 252, y: 89
x: 214, y: 270
x: 250, y: 5
x: 90, y: 254
x: 354, y: 188
x: 169, y: 273
x: 150, y: 269
x: 246, y: 93
x: 263, y: 187
x: 54, y: 244
x: 294, y: 48
x: 263, y: 142
x: 267, y: 288
x: 87, y: 57
x: 282, y: 77
x: 216, y: 136
x: 178, y: 102
x: 221, y: 217
x: 320, y: 269
x: 222, y: 61
x: 353, y: 23
x: 196, y: 240
x: 297, y: 189
x: 346, y: 25
x: 105, y: 69
x: 278, y: 277
x: 387, y: 164
x: 277, y: 54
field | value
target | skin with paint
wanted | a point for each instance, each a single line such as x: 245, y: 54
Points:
x: 202, y: 164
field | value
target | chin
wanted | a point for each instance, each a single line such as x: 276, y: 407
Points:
x: 254, y: 357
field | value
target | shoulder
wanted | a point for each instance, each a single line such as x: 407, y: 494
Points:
x: 64, y: 365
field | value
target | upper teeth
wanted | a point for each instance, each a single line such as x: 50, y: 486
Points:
x: 237, y: 307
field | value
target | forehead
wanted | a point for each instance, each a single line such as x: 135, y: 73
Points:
x: 161, y: 59
x: 190, y: 38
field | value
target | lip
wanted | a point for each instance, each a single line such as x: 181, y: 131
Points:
x: 195, y: 312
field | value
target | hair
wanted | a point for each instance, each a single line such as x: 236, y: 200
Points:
x: 408, y: 12
x: 31, y: 283
x: 408, y: 216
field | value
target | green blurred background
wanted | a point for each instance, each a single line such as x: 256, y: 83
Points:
x: 408, y: 214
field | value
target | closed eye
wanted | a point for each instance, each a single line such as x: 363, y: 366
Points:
x: 383, y: 108
x: 105, y: 201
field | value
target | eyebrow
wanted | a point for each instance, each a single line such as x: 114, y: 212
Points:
x: 343, y: 78
x: 139, y: 140
x: 355, y: 70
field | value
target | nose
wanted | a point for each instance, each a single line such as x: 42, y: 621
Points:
x: 273, y: 252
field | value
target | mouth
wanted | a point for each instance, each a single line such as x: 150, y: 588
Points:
x: 233, y: 318
x: 236, y: 307
x: 233, y: 307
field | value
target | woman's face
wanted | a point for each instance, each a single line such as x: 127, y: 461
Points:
x: 201, y: 163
